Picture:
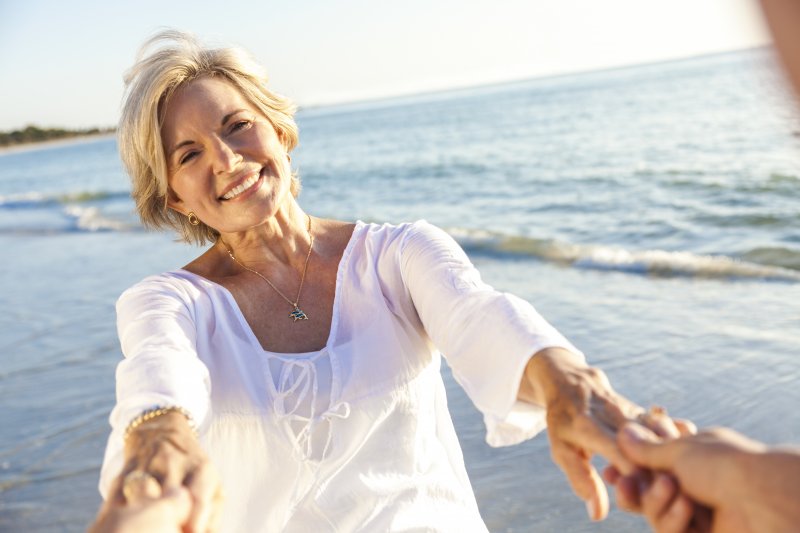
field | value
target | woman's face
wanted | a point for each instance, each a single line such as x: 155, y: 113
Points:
x: 224, y: 158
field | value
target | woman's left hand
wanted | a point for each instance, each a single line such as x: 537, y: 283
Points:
x: 583, y: 416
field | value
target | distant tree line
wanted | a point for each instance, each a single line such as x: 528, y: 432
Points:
x: 33, y: 134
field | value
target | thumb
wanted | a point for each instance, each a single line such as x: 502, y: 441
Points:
x: 644, y: 448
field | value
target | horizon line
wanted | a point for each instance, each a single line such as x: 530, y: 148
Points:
x: 513, y: 81
x: 456, y: 88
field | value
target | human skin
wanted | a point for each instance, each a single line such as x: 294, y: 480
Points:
x: 217, y: 142
x: 167, y: 448
x: 584, y: 414
x: 146, y: 508
x: 717, y: 480
x: 783, y: 18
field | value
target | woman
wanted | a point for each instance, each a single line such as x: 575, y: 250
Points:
x: 305, y: 352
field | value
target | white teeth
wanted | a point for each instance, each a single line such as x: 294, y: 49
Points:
x: 239, y: 189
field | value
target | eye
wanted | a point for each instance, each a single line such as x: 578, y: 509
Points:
x: 240, y: 125
x: 188, y: 156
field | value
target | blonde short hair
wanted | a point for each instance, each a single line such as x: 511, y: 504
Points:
x: 166, y: 62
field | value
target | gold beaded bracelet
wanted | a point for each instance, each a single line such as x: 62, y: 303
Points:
x: 155, y: 412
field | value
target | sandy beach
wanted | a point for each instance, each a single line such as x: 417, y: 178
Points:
x: 77, y: 139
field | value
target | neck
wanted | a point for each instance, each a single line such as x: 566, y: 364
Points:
x: 284, y: 239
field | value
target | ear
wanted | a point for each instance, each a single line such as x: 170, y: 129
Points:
x: 281, y: 138
x: 175, y: 203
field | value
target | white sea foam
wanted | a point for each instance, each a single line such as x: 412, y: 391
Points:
x: 92, y: 219
x: 602, y: 257
x: 23, y: 198
x: 37, y: 198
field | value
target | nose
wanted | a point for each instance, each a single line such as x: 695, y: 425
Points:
x: 225, y: 159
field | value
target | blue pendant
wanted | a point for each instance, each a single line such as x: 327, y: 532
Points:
x: 298, y: 314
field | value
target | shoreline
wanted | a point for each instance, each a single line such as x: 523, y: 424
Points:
x: 51, y: 143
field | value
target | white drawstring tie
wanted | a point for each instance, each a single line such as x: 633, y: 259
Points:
x: 297, y: 379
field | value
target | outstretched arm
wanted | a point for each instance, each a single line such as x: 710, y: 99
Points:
x: 161, y: 385
x: 505, y: 355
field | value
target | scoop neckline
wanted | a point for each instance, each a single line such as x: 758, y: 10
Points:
x: 251, y: 336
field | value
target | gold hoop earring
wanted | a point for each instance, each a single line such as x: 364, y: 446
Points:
x: 193, y: 220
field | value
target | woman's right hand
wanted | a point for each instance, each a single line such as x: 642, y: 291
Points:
x: 143, y: 508
x: 166, y: 448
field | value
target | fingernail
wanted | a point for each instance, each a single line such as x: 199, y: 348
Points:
x: 590, y: 508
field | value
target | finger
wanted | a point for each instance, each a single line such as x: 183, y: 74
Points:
x: 115, y: 496
x: 583, y: 478
x: 656, y: 500
x: 163, y: 459
x: 664, y: 427
x: 627, y: 495
x: 593, y: 438
x: 685, y: 427
x: 611, y: 475
x: 632, y: 487
x: 203, y: 485
x: 643, y: 447
x: 677, y: 517
x: 138, y: 487
x: 613, y: 410
x: 625, y: 499
x: 658, y: 421
x: 171, y: 468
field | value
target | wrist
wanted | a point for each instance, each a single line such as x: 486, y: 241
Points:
x: 549, y: 370
x: 170, y: 415
x: 170, y: 425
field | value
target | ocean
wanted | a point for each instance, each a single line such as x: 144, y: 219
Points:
x: 651, y: 213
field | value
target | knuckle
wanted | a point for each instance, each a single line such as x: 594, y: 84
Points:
x: 596, y: 374
x: 164, y: 457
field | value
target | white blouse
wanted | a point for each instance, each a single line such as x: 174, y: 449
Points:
x: 356, y: 436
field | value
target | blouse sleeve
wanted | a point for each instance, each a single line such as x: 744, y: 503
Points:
x: 161, y: 368
x: 487, y: 336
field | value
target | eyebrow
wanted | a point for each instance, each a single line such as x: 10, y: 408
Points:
x: 224, y: 121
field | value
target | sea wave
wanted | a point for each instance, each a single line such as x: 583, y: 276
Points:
x: 659, y: 263
x: 775, y: 256
x: 34, y: 199
x: 776, y: 183
x: 92, y: 219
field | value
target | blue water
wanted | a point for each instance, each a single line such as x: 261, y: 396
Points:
x: 651, y: 213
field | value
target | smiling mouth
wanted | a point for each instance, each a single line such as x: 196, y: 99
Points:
x: 239, y: 189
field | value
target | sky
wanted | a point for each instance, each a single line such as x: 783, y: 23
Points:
x: 62, y: 60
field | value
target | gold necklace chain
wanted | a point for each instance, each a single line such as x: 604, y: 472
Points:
x: 297, y: 313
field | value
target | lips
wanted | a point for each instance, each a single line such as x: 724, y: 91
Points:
x: 239, y: 189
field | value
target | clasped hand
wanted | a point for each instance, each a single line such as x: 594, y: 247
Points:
x: 584, y: 414
x: 680, y: 480
x: 168, y: 483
